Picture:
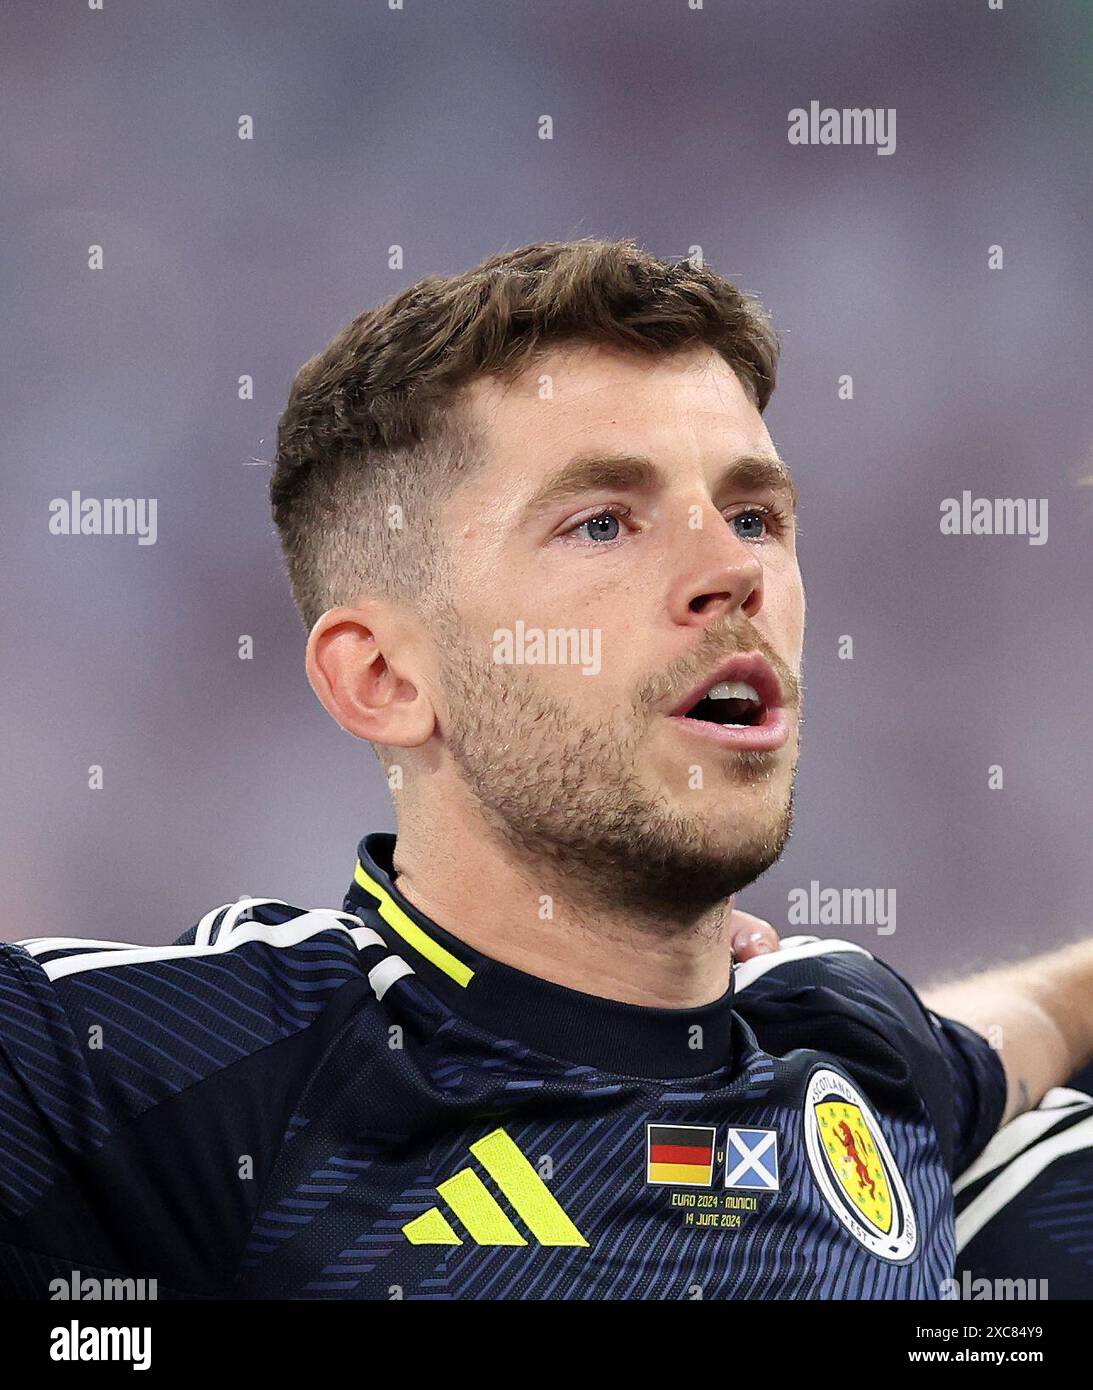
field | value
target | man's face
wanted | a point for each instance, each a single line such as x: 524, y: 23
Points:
x: 630, y: 533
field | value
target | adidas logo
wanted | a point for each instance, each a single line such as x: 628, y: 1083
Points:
x: 482, y: 1216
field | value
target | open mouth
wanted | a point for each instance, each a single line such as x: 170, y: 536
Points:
x: 739, y: 705
x: 729, y: 702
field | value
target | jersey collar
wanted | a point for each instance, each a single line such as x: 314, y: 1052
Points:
x: 581, y: 1028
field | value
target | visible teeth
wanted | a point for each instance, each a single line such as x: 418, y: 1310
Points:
x: 733, y: 690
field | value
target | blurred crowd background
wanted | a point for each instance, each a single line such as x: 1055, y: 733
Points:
x: 419, y: 127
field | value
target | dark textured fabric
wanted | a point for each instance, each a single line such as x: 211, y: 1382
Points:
x: 264, y: 1109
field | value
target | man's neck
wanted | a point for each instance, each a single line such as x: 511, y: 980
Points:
x: 533, y: 917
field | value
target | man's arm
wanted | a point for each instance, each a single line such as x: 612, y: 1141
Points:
x: 1038, y: 1015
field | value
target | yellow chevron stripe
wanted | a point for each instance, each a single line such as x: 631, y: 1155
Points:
x: 411, y: 933
x: 470, y: 1199
x: 525, y: 1189
x: 430, y: 1228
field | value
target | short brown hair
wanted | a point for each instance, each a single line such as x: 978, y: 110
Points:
x: 373, y: 435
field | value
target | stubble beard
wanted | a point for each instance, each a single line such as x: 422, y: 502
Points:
x: 564, y: 797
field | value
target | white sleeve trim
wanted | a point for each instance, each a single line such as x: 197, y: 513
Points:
x: 1017, y: 1175
x: 1021, y: 1131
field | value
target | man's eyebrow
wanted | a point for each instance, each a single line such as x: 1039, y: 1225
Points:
x: 589, y: 471
x: 637, y: 473
x: 753, y: 472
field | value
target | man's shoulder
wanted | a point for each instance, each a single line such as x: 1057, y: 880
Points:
x: 842, y: 996
x: 166, y: 1073
x: 253, y: 948
x: 832, y: 994
x: 845, y: 967
x: 111, y: 1028
x: 837, y: 996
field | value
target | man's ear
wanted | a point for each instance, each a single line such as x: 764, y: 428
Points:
x: 360, y: 662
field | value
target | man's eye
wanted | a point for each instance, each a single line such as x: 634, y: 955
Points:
x: 755, y: 523
x: 600, y: 528
x: 605, y: 526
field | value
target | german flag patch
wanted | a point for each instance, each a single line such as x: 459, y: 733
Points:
x: 679, y: 1155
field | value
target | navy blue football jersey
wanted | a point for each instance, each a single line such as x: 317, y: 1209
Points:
x: 1025, y: 1206
x: 291, y: 1103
